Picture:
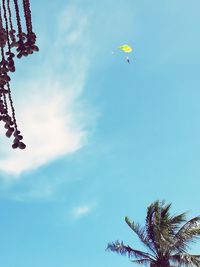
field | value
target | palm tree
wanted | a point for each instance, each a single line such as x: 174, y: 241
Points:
x: 165, y: 237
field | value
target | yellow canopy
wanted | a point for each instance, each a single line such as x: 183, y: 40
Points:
x: 126, y: 48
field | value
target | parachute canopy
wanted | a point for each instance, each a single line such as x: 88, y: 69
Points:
x: 126, y: 48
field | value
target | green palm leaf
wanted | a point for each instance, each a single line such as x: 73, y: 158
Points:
x: 141, y: 233
x: 145, y: 262
x: 122, y: 249
x: 186, y: 260
x: 188, y: 233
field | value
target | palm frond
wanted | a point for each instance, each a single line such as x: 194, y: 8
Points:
x: 165, y: 209
x: 189, y: 232
x: 122, y: 249
x: 145, y: 262
x: 141, y: 233
x: 158, y: 226
x: 177, y: 221
x: 150, y: 225
x: 186, y: 259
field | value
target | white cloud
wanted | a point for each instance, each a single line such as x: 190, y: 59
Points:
x: 82, y: 210
x: 49, y: 109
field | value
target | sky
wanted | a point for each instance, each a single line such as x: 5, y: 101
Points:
x: 104, y: 138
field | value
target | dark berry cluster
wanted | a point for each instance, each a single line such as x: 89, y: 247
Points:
x: 24, y: 44
x: 9, y: 122
x: 3, y: 37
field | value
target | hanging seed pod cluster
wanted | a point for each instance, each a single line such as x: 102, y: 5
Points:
x: 14, y: 41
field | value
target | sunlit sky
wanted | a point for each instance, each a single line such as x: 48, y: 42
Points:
x: 104, y: 138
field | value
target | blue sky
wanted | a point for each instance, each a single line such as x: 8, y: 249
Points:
x: 104, y: 138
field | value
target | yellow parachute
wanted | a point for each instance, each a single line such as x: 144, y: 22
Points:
x: 126, y: 48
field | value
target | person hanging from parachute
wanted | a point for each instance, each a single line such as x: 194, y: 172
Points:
x: 126, y: 49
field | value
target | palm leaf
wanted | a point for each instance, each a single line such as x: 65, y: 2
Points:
x: 186, y: 259
x: 158, y: 227
x: 177, y: 220
x: 122, y: 249
x: 189, y: 232
x: 141, y: 233
x: 146, y: 262
x: 150, y: 225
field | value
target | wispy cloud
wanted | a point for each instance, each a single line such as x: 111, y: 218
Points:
x: 49, y: 109
x: 82, y: 210
x: 29, y: 190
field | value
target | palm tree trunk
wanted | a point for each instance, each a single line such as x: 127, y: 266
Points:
x: 163, y: 263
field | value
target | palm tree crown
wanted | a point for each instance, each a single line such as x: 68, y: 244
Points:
x: 166, y: 238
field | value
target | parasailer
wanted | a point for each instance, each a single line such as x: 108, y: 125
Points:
x: 126, y: 49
